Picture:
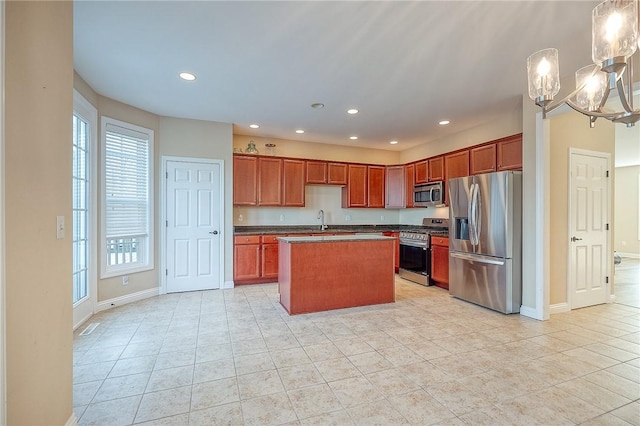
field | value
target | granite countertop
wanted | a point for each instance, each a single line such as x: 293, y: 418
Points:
x: 305, y: 229
x: 333, y: 238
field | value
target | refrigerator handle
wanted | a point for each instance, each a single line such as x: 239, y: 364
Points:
x: 478, y: 259
x: 478, y: 219
x: 473, y: 233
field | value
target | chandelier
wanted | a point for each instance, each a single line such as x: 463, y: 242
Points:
x: 615, y: 40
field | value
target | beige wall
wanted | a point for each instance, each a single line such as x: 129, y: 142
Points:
x: 569, y: 130
x: 626, y: 232
x: 204, y: 139
x: 38, y: 110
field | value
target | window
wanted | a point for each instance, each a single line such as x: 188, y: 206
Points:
x: 127, y: 222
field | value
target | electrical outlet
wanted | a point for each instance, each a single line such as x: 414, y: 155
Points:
x: 281, y: 218
x: 240, y: 218
x: 347, y: 218
x: 381, y: 218
x: 60, y: 227
x: 125, y: 279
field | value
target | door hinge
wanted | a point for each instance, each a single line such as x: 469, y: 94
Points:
x: 607, y: 227
x: 166, y: 272
x: 166, y: 223
x: 166, y: 174
x: 607, y: 173
x: 606, y: 280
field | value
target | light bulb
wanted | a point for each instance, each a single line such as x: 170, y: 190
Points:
x: 543, y: 67
x: 614, y: 22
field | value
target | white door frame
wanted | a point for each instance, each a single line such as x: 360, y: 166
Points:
x: 3, y: 353
x: 570, y: 287
x: 86, y: 110
x: 163, y: 215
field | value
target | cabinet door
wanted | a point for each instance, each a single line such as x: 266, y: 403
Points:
x: 482, y: 159
x: 245, y: 180
x: 510, y: 153
x: 246, y: 261
x: 269, y: 181
x: 316, y: 172
x: 394, y: 187
x: 440, y: 266
x: 436, y: 169
x: 396, y: 235
x: 270, y: 261
x: 422, y: 171
x: 456, y: 164
x: 355, y: 193
x: 409, y: 179
x: 375, y: 186
x: 337, y: 173
x: 293, y: 183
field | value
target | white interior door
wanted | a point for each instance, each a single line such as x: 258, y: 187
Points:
x: 193, y: 237
x: 588, y: 223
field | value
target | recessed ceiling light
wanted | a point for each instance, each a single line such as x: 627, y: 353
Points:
x: 254, y: 126
x: 187, y: 76
x: 353, y: 138
x: 393, y: 142
x: 352, y: 111
x: 444, y: 122
x: 317, y: 105
x: 300, y: 131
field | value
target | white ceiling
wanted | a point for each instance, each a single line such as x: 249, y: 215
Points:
x: 405, y: 65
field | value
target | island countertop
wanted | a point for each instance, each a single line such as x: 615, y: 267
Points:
x: 333, y: 238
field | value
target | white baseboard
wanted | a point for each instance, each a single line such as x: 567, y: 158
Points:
x: 73, y: 420
x: 228, y: 284
x: 558, y: 308
x: 529, y: 312
x: 631, y: 255
x: 82, y: 321
x: 612, y: 298
x: 123, y: 300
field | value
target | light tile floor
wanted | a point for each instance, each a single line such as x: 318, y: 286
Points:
x: 235, y: 357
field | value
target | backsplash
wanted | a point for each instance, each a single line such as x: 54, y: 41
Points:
x: 329, y: 199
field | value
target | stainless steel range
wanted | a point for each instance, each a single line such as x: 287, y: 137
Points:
x: 415, y: 249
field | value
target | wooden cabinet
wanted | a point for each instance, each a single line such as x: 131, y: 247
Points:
x: 396, y: 258
x: 509, y: 153
x: 355, y: 193
x: 337, y: 173
x: 436, y: 169
x: 269, y: 181
x: 394, y: 194
x: 375, y: 186
x: 482, y: 159
x: 316, y: 172
x: 245, y: 180
x: 422, y: 171
x: 293, y: 183
x: 440, y: 261
x: 246, y: 257
x: 409, y: 180
x: 269, y: 258
x: 456, y: 164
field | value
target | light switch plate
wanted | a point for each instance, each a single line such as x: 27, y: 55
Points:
x: 60, y: 227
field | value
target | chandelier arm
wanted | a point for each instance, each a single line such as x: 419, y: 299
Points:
x: 596, y: 114
x: 566, y: 100
x: 623, y: 96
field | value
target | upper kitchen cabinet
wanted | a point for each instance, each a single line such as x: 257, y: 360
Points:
x: 395, y: 187
x: 435, y: 169
x: 316, y: 172
x: 337, y: 173
x: 482, y: 159
x: 269, y: 181
x: 509, y: 153
x: 293, y: 179
x: 355, y: 193
x: 375, y: 186
x: 456, y: 164
x: 409, y: 178
x: 245, y: 180
x: 422, y: 171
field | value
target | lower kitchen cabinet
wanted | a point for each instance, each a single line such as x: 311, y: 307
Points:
x: 440, y: 261
x: 269, y: 258
x: 246, y: 257
x: 396, y: 235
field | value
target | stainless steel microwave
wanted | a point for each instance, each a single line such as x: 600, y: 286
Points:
x: 428, y: 194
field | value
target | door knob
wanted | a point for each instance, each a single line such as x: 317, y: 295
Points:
x: 213, y: 232
x: 574, y: 239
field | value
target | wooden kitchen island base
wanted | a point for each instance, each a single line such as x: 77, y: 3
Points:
x: 334, y: 272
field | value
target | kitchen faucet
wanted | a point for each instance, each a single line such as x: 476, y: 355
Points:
x: 321, y: 217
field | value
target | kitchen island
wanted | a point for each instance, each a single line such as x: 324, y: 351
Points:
x: 320, y: 273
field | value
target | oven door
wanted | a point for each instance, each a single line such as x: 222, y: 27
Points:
x: 414, y: 262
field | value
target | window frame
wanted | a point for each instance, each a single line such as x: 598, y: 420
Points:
x: 146, y: 260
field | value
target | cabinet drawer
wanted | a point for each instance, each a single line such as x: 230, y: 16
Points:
x: 246, y: 239
x: 440, y: 241
x: 270, y: 239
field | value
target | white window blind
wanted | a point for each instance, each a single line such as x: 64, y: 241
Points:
x: 126, y: 182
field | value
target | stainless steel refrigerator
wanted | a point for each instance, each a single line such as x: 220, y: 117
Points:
x: 485, y: 240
